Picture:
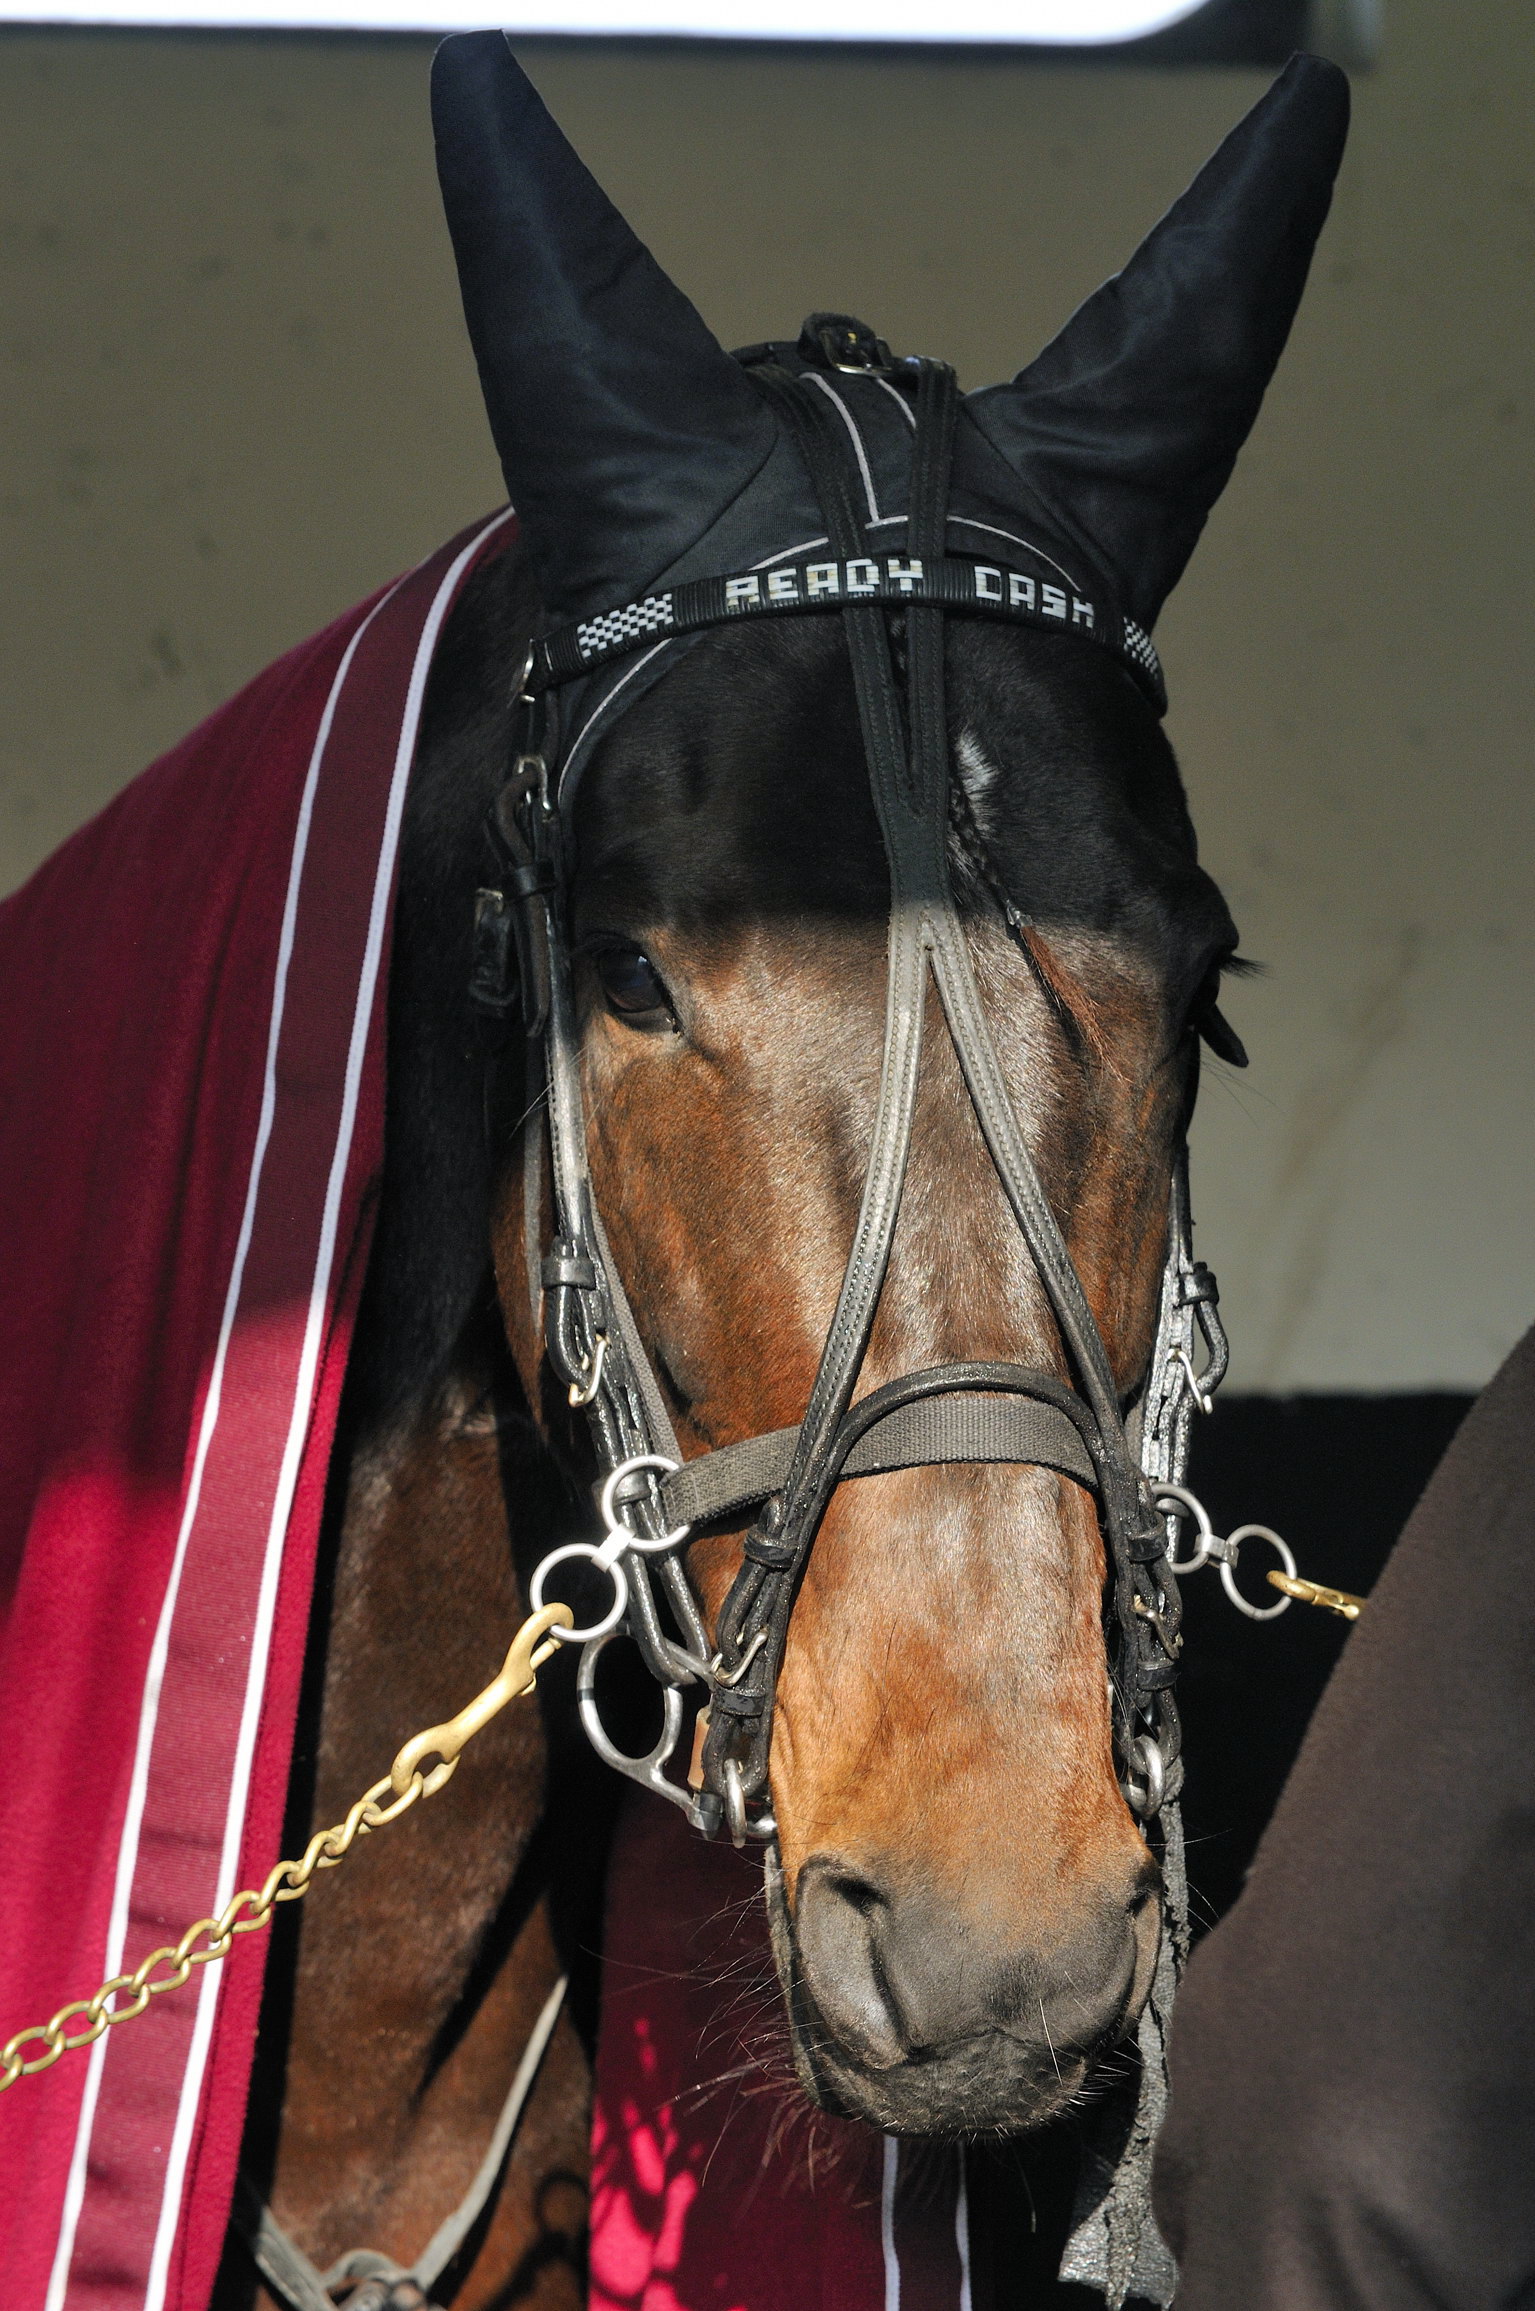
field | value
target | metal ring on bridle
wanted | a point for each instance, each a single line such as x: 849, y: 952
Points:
x: 735, y: 1804
x: 609, y: 1507
x: 645, y: 1769
x: 590, y: 1553
x: 582, y: 1392
x: 1228, y: 1571
x: 1147, y: 1754
x: 1202, y: 1525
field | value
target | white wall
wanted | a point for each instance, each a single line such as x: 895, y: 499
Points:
x: 236, y: 396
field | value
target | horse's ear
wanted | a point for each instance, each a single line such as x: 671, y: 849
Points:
x: 1128, y: 425
x: 623, y: 428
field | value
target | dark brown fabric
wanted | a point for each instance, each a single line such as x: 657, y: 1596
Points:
x: 1353, y: 2057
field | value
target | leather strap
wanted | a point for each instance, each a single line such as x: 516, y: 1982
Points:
x: 303, y: 2286
x: 964, y: 1425
x: 761, y: 1597
x: 909, y: 770
x: 627, y: 1410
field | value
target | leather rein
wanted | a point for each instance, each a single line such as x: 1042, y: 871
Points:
x: 978, y: 1411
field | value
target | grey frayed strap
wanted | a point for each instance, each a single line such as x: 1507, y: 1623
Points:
x: 387, y: 2285
x: 1115, y: 2245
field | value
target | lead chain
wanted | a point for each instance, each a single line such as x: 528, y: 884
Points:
x: 407, y: 1781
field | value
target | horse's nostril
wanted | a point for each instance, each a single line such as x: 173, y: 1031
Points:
x: 837, y: 1918
x: 863, y: 1897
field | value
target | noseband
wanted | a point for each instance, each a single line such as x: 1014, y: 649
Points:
x: 966, y: 1412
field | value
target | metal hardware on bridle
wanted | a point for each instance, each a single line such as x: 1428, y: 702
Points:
x: 1209, y: 1548
x: 978, y: 1411
x: 608, y: 1556
x: 582, y: 1392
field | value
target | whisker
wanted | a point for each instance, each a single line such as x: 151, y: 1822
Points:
x: 1049, y: 2041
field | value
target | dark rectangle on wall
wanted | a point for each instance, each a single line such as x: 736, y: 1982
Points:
x: 1338, y: 1476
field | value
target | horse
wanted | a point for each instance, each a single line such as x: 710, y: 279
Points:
x: 963, y: 1902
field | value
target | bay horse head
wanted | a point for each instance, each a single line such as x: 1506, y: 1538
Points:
x: 858, y: 921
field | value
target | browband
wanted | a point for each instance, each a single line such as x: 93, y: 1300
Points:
x: 950, y: 582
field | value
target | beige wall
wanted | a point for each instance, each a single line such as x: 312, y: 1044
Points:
x: 236, y: 396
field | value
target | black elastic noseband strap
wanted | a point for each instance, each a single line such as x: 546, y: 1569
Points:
x: 951, y: 1413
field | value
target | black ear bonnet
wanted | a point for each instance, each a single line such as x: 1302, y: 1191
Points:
x: 640, y: 456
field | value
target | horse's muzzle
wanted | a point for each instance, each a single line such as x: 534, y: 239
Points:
x: 903, y: 2016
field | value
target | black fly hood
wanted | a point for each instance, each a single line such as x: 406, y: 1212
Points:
x: 666, y: 488
x: 648, y: 471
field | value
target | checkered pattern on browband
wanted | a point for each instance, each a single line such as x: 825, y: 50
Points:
x: 980, y: 589
x: 621, y: 629
x: 1139, y: 646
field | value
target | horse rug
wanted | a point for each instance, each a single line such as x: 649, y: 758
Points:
x: 191, y: 1136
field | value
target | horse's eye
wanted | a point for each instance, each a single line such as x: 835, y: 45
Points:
x: 1209, y: 1022
x: 631, y: 983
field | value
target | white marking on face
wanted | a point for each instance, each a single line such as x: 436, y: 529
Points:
x: 978, y: 776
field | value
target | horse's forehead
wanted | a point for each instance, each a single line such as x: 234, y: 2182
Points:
x: 739, y: 793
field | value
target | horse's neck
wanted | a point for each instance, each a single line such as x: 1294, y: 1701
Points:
x: 422, y: 1963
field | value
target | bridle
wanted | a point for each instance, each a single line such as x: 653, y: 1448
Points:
x: 980, y: 1411
x: 651, y: 1499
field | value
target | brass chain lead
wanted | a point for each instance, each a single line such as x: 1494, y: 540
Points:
x: 246, y: 1912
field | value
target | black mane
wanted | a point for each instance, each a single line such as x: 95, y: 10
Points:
x: 429, y: 1276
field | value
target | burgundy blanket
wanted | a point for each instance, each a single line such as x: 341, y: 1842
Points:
x: 190, y: 1130
x: 715, y: 2187
x: 191, y: 1119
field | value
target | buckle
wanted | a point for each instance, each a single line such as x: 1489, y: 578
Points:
x: 838, y: 341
